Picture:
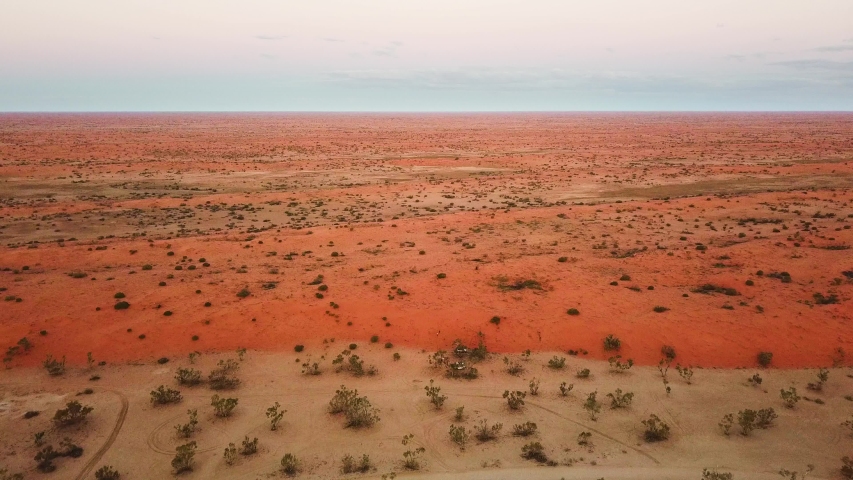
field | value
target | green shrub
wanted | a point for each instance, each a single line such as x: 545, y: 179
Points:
x: 485, y: 432
x: 619, y: 399
x: 299, y: 348
x: 106, y: 472
x: 534, y: 451
x: 459, y: 435
x: 121, y: 305
x: 524, y: 429
x: 183, y: 460
x: 54, y: 367
x: 73, y: 413
x: 349, y: 465
x: 223, y: 407
x: 592, y: 405
x: 163, y: 396
x: 612, y: 343
x: 186, y: 430
x: 656, y: 429
x: 573, y: 311
x: 764, y: 358
x: 514, y: 400
x: 289, y: 464
x: 243, y: 293
x: 557, y: 363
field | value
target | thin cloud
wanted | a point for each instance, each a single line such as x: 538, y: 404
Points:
x: 271, y: 37
x: 834, y: 48
x: 817, y: 64
x: 329, y: 39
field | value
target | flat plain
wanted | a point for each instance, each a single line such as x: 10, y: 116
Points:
x: 132, y: 239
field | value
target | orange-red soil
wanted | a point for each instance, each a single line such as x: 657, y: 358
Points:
x: 380, y: 205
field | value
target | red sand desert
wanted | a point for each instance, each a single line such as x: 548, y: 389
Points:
x: 721, y: 235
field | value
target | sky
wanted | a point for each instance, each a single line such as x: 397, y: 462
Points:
x: 436, y: 55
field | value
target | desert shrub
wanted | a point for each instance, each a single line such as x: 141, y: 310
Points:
x: 524, y: 429
x: 439, y: 359
x: 485, y: 432
x: 534, y: 386
x: 534, y: 451
x: 274, y: 414
x: 123, y: 305
x: 557, y: 363
x: 289, y: 464
x: 612, y: 343
x: 660, y: 309
x: 592, y: 405
x: 459, y: 435
x: 106, y: 472
x: 686, y: 373
x: 790, y: 397
x: 54, y: 367
x: 411, y: 457
x: 243, y: 293
x: 582, y: 373
x: 668, y: 352
x: 460, y: 413
x: 163, y: 396
x: 186, y: 430
x: 794, y: 475
x: 299, y: 348
x: 755, y: 380
x: 619, y: 399
x: 309, y: 368
x: 726, y: 424
x: 513, y: 367
x: 73, y: 413
x: 349, y: 465
x: 573, y: 311
x: 764, y: 358
x: 223, y: 407
x: 44, y: 459
x: 715, y: 475
x: 188, y: 376
x: 847, y: 467
x: 514, y: 400
x: 434, y: 394
x: 480, y: 352
x: 183, y: 460
x: 566, y: 388
x: 656, y: 429
x: 357, y: 410
x: 219, y: 378
x: 848, y: 424
x: 749, y: 420
x: 230, y: 454
x: 822, y: 378
x: 249, y: 447
x: 618, y: 366
x: 584, y: 438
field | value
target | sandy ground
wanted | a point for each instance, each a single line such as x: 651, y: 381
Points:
x: 721, y: 235
x: 810, y: 433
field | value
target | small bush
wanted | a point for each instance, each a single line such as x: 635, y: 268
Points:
x: 656, y: 429
x: 764, y: 358
x: 299, y: 348
x: 616, y: 364
x: 847, y: 467
x: 275, y: 414
x: 164, y: 396
x: 790, y: 397
x: 106, y: 472
x: 289, y: 464
x: 249, y: 447
x: 349, y: 465
x: 715, y: 475
x: 54, y: 367
x: 243, y: 293
x: 186, y: 430
x: 534, y: 451
x: 122, y: 305
x: 592, y: 405
x: 513, y: 367
x: 619, y: 399
x: 485, y: 432
x: 73, y: 413
x: 660, y: 309
x: 411, y: 457
x: 434, y: 394
x: 557, y: 363
x: 612, y: 343
x: 573, y: 311
x: 188, y: 376
x: 565, y: 389
x: 459, y: 435
x: 514, y: 400
x: 223, y: 407
x: 183, y: 460
x: 582, y: 373
x: 357, y: 410
x: 524, y: 429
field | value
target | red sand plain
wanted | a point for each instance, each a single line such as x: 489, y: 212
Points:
x: 380, y: 205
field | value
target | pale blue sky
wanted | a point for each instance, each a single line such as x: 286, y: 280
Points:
x: 413, y: 55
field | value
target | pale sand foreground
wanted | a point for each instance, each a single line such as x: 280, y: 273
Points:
x: 145, y: 442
